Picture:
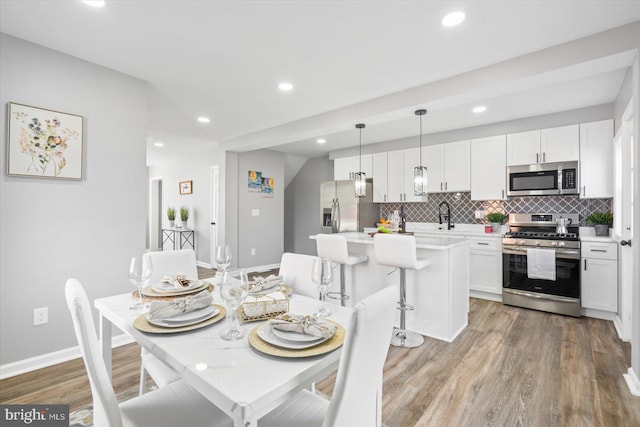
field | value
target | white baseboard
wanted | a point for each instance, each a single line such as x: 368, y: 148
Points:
x: 598, y: 314
x: 489, y: 296
x: 45, y: 360
x: 632, y: 381
x: 261, y: 268
x: 204, y: 264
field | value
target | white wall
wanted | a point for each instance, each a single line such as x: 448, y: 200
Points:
x: 51, y: 230
x: 194, y: 167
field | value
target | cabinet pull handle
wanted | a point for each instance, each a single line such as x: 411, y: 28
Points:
x: 440, y: 186
x: 598, y: 250
x: 584, y: 190
x: 537, y: 158
x: 585, y: 264
x: 484, y: 244
x: 385, y: 197
x: 502, y: 193
x: 446, y: 185
x: 544, y: 157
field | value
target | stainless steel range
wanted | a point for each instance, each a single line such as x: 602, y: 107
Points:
x: 541, y: 263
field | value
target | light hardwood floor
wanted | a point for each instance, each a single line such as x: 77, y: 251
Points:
x: 509, y: 367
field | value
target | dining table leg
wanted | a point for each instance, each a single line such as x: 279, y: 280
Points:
x: 105, y: 342
x: 244, y: 416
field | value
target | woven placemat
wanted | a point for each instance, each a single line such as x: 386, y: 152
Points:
x: 325, y: 347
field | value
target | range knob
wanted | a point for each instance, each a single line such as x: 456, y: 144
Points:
x: 520, y: 242
x: 561, y: 244
x: 538, y: 243
x: 554, y: 244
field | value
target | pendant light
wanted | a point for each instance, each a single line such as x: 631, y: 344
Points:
x: 420, y: 172
x: 361, y: 178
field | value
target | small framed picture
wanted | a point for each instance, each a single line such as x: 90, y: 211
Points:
x: 186, y: 187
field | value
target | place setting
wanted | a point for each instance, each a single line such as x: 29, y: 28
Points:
x: 293, y: 335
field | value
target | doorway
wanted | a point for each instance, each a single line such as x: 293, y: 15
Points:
x: 154, y: 242
x: 213, y: 238
x: 623, y: 224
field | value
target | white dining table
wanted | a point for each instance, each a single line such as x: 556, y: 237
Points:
x: 243, y: 382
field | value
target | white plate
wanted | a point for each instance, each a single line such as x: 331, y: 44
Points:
x: 293, y: 336
x: 265, y: 332
x: 168, y: 288
x: 186, y: 319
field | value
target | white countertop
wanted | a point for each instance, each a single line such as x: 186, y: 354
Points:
x: 588, y: 234
x: 422, y: 242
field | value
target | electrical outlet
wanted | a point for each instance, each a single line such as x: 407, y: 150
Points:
x: 480, y: 214
x: 253, y: 251
x: 255, y: 212
x: 40, y: 316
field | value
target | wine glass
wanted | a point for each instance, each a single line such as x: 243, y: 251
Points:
x: 223, y: 257
x: 322, y: 276
x: 140, y: 270
x: 234, y: 288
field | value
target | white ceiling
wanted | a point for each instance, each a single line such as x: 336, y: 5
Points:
x: 224, y: 59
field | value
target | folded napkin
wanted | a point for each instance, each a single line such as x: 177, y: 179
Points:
x: 309, y: 325
x: 262, y: 284
x: 179, y: 280
x: 160, y: 309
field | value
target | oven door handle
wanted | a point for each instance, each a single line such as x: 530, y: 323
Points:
x: 539, y: 296
x: 560, y: 253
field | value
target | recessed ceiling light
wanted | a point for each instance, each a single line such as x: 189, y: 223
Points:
x: 204, y: 119
x: 285, y: 86
x: 94, y: 3
x: 158, y: 144
x: 479, y: 109
x: 452, y: 19
x: 321, y: 140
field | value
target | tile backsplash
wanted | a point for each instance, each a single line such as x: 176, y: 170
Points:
x: 463, y: 208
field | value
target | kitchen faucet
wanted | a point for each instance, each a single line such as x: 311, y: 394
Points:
x: 447, y: 215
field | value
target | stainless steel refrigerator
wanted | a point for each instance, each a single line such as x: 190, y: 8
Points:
x: 341, y: 210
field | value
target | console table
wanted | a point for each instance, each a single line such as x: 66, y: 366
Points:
x: 179, y: 238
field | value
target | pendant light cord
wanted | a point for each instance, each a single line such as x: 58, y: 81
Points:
x: 421, y: 140
x: 360, y: 167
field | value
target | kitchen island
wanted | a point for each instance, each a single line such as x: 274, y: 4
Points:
x: 439, y: 293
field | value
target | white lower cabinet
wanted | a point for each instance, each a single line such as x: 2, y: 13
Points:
x: 599, y: 276
x: 485, y: 265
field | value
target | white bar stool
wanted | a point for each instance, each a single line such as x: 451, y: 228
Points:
x: 396, y: 250
x: 334, y: 247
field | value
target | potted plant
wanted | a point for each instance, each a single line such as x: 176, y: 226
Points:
x: 184, y: 216
x: 171, y: 214
x: 496, y: 219
x: 601, y: 222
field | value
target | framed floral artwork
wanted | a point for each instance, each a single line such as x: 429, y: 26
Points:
x: 186, y: 187
x: 44, y: 143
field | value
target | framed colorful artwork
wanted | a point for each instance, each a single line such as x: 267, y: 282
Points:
x: 44, y: 143
x: 255, y: 181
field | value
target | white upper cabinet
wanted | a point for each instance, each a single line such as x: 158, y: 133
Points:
x: 523, y: 148
x: 346, y: 167
x: 395, y: 176
x: 380, y: 178
x: 561, y: 144
x: 448, y: 167
x: 457, y: 166
x: 488, y: 168
x: 596, y: 159
x: 551, y: 145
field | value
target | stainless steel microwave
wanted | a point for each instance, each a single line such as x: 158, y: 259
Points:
x: 543, y: 179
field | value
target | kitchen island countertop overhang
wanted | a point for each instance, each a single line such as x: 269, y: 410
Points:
x: 439, y: 293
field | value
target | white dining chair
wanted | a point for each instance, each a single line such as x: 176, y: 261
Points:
x: 357, y: 396
x: 173, y: 405
x: 165, y: 263
x: 295, y: 270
